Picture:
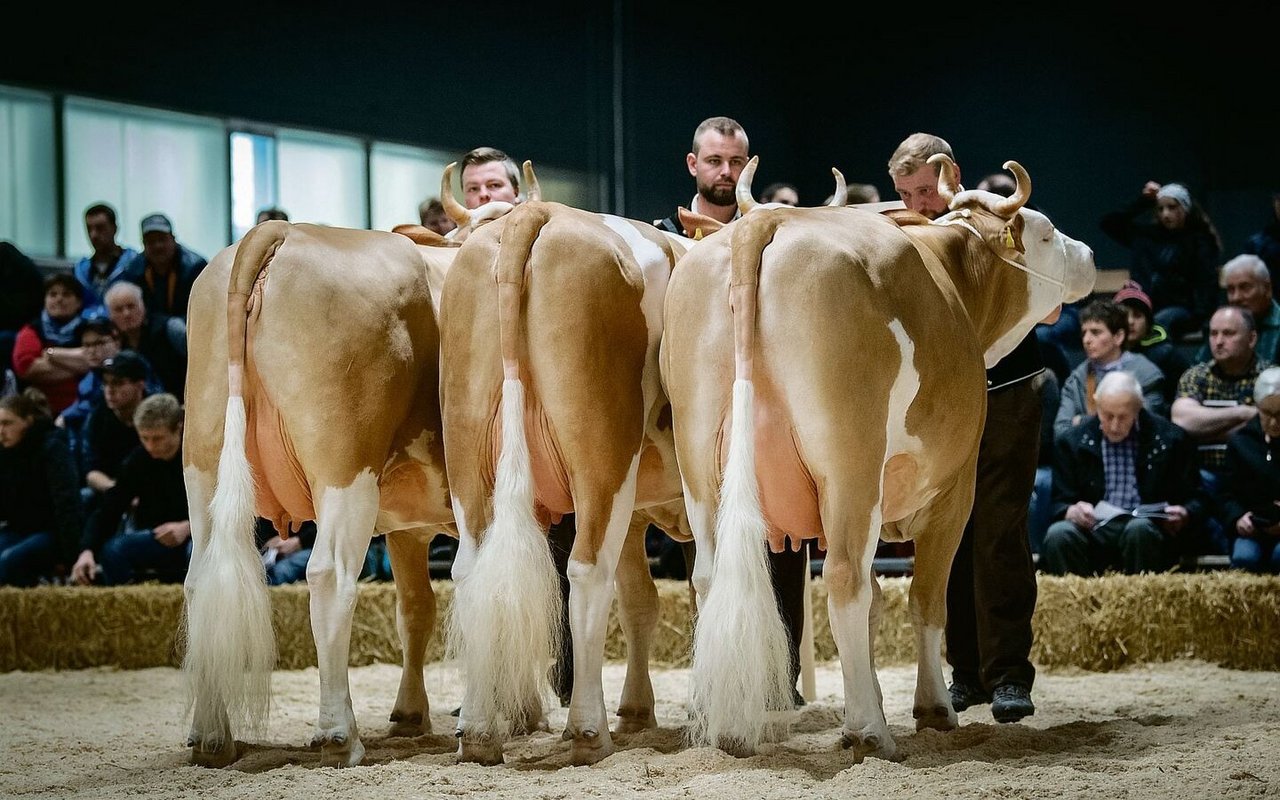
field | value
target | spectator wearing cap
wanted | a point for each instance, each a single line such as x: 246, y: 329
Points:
x: 164, y: 269
x: 1104, y: 326
x: 106, y: 264
x: 1149, y: 339
x: 157, y: 544
x: 1174, y: 256
x: 159, y: 338
x: 1251, y: 482
x: 109, y: 434
x: 47, y: 352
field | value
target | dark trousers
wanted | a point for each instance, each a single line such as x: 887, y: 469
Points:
x: 26, y: 557
x: 127, y: 554
x: 991, y: 594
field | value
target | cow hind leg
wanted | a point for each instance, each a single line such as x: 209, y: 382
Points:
x: 852, y: 539
x: 638, y: 615
x: 591, y: 588
x: 344, y: 528
x: 415, y: 620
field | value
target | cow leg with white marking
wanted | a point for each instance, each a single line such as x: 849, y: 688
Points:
x: 415, y: 619
x: 638, y: 616
x: 344, y: 528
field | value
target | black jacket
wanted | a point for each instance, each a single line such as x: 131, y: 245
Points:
x: 1165, y: 461
x: 39, y: 487
x: 1250, y: 482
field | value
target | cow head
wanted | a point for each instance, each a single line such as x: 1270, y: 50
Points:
x: 1059, y: 269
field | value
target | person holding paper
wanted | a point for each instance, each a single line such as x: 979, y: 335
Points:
x: 1251, y: 485
x: 1123, y: 457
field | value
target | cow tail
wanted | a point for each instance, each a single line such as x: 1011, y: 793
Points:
x: 231, y: 648
x: 741, y: 663
x: 505, y: 626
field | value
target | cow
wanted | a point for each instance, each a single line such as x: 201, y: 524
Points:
x: 825, y: 368
x: 312, y: 393
x: 551, y: 402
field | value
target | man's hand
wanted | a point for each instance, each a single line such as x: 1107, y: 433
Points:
x: 1081, y: 514
x: 84, y: 569
x: 1177, y: 519
x: 173, y: 534
x: 284, y: 547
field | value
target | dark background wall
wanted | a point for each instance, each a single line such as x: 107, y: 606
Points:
x: 1092, y: 104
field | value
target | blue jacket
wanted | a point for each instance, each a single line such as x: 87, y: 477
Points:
x: 190, y: 263
x: 83, y: 270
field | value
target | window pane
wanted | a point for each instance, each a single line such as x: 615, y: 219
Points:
x: 322, y: 178
x: 28, y: 203
x: 565, y: 186
x: 142, y: 161
x: 253, y: 179
x: 401, y: 178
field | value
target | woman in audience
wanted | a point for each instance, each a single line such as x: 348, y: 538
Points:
x: 1251, y: 484
x: 47, y: 352
x: 39, y: 493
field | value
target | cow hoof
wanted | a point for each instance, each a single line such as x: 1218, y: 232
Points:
x: 213, y: 753
x: 868, y: 744
x: 409, y: 725
x: 635, y: 721
x: 939, y: 718
x: 590, y: 747
x: 345, y: 754
x: 481, y: 750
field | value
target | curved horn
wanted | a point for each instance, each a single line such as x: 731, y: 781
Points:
x: 532, y: 190
x: 456, y: 211
x: 745, y: 201
x: 946, y: 175
x: 1008, y: 206
x: 842, y: 190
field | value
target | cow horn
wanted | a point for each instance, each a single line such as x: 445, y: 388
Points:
x: 1008, y: 206
x: 946, y: 175
x: 532, y: 190
x: 745, y: 201
x: 842, y: 190
x: 456, y: 211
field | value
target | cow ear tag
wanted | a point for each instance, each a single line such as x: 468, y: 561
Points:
x: 1008, y: 237
x: 697, y: 234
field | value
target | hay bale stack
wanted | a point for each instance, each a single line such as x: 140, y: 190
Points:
x: 1228, y: 617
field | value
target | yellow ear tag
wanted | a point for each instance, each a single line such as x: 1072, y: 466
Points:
x: 697, y: 234
x: 1008, y: 237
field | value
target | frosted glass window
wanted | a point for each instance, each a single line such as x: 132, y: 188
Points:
x: 28, y: 202
x: 401, y: 177
x: 565, y: 186
x: 322, y: 178
x: 253, y: 179
x: 141, y: 161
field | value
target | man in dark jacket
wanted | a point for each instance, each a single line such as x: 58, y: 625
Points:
x: 164, y: 269
x: 1126, y: 488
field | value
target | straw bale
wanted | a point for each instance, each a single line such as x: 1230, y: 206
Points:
x: 1226, y: 617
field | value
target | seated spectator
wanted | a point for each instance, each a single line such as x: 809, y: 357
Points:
x: 272, y: 212
x: 856, y: 194
x: 285, y: 558
x: 109, y: 435
x: 106, y: 264
x: 432, y: 215
x: 1266, y: 242
x: 1175, y: 256
x: 39, y: 502
x: 21, y: 299
x: 98, y: 341
x: 1104, y: 327
x: 1046, y: 385
x: 1215, y: 399
x: 164, y: 269
x: 1149, y: 339
x: 160, y: 339
x: 159, y: 540
x: 1248, y: 285
x: 784, y: 193
x: 1125, y: 456
x: 47, y: 353
x: 1251, y: 482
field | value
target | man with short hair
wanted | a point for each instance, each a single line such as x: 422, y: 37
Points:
x: 1104, y: 328
x: 1126, y: 456
x: 159, y: 338
x: 489, y: 175
x: 433, y: 217
x: 1247, y: 282
x: 164, y: 269
x: 991, y: 593
x: 109, y: 434
x: 719, y: 153
x: 107, y: 263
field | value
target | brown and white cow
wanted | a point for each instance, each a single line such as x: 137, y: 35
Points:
x: 312, y: 393
x: 826, y: 373
x: 550, y: 325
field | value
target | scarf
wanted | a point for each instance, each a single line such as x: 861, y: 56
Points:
x: 55, y: 335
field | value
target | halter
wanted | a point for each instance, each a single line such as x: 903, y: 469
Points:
x: 963, y: 223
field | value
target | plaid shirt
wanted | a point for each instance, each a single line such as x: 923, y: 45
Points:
x: 1121, y: 474
x: 1205, y: 383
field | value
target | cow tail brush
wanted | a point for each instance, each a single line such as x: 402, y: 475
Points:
x: 508, y: 609
x: 231, y: 647
x: 741, y: 662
